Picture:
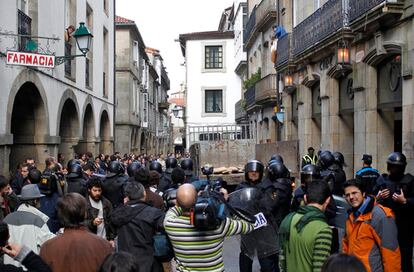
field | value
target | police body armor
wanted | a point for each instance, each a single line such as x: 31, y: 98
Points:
x: 52, y: 182
x: 263, y: 241
x: 339, y: 177
x: 406, y: 184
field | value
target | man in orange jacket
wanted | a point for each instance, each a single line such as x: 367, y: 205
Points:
x: 371, y: 233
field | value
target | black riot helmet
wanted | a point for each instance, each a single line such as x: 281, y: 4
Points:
x: 253, y: 166
x: 132, y: 168
x: 339, y: 158
x: 73, y: 161
x: 171, y: 162
x: 277, y: 158
x: 396, y: 163
x: 397, y: 158
x: 187, y: 164
x: 116, y: 168
x: 75, y: 171
x: 309, y: 173
x: 326, y: 159
x: 278, y: 170
x: 155, y: 166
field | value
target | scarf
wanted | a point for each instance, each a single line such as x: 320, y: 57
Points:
x: 310, y: 214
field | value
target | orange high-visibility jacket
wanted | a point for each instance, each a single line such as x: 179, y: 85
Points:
x: 372, y: 237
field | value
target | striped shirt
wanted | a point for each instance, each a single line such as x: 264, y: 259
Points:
x: 197, y: 250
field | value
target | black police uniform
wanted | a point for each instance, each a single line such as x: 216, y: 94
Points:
x: 77, y: 185
x: 404, y: 213
x: 339, y: 177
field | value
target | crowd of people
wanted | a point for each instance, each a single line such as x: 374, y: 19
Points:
x: 152, y: 213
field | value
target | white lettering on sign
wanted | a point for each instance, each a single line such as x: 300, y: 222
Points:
x: 30, y: 59
x: 260, y: 221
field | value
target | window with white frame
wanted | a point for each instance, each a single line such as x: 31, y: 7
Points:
x: 213, y: 57
x: 135, y: 53
x: 213, y: 101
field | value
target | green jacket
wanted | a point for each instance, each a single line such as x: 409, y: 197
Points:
x: 307, y: 241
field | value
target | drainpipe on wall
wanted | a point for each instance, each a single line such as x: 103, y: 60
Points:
x: 114, y: 79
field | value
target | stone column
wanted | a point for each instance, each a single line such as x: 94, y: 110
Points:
x: 5, y: 142
x: 306, y: 126
x: 408, y: 99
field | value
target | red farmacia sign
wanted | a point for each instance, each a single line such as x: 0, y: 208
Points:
x: 30, y: 59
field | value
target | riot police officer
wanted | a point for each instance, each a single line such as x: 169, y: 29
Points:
x: 156, y: 166
x: 309, y: 173
x: 395, y: 190
x: 113, y: 186
x: 187, y: 165
x: 331, y: 173
x: 132, y: 168
x: 262, y: 241
x: 367, y: 175
x: 165, y: 181
x: 337, y: 169
x: 279, y: 175
x: 75, y: 180
x: 275, y: 158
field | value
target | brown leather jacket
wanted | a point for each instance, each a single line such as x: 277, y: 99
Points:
x: 75, y: 250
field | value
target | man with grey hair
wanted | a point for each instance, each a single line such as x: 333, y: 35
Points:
x: 136, y: 222
x: 27, y: 225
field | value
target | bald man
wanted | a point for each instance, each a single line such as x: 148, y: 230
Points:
x: 195, y: 249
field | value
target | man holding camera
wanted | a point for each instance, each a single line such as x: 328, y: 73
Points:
x: 197, y: 249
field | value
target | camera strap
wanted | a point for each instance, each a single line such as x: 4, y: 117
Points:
x: 192, y: 216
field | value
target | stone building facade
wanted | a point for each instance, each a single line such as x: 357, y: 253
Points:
x: 356, y: 107
x: 142, y: 122
x: 67, y: 109
x: 260, y: 97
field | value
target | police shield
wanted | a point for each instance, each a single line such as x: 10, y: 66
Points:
x: 263, y: 241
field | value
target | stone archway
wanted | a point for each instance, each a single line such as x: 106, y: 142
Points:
x: 68, y: 129
x: 29, y: 126
x: 87, y: 143
x: 105, y: 146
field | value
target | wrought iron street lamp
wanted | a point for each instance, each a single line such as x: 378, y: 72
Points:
x: 83, y: 39
x: 289, y: 86
x: 343, y: 56
x: 176, y: 110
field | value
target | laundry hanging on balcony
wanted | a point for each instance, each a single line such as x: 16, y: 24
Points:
x: 279, y: 32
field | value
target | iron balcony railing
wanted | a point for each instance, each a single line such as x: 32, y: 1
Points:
x: 264, y: 8
x: 251, y: 23
x: 266, y: 89
x: 24, y: 28
x: 249, y: 96
x: 360, y: 7
x: 283, y: 48
x: 321, y: 24
x: 240, y: 111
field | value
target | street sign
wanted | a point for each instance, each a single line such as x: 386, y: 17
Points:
x: 30, y: 59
